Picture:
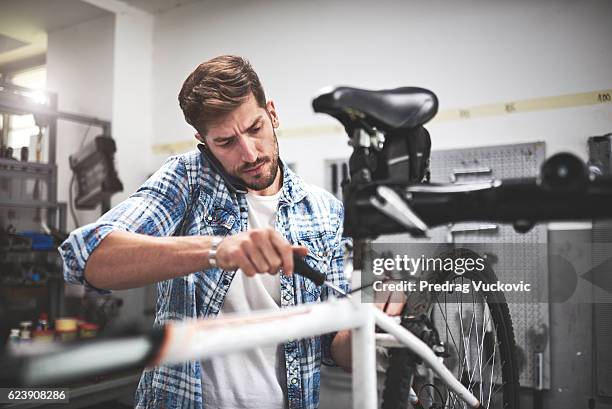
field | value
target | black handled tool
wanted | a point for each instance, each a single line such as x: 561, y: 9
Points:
x: 302, y: 268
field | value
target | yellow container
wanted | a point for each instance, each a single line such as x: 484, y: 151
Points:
x: 66, y: 329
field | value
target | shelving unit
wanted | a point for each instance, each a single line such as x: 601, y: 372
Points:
x: 28, y: 197
x: 28, y: 202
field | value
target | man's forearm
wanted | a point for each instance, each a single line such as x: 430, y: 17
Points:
x: 128, y: 260
x: 341, y: 350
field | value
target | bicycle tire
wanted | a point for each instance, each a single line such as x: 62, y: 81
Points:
x: 402, y: 362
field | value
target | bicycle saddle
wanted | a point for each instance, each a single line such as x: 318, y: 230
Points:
x: 398, y: 108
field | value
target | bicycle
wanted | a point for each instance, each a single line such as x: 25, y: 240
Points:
x: 387, y: 193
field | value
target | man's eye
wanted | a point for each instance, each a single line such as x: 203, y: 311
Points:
x: 256, y: 129
x: 225, y: 144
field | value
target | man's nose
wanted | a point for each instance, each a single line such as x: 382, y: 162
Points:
x: 248, y: 149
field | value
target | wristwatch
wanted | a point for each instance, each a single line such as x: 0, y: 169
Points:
x: 212, y: 252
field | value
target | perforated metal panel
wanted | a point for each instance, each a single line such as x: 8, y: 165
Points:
x: 602, y: 233
x: 525, y: 260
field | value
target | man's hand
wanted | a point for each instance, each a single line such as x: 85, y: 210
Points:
x: 258, y: 251
x: 390, y: 302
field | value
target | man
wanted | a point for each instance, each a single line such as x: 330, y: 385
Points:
x: 213, y: 228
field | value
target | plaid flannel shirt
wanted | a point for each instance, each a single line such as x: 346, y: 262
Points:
x: 187, y: 196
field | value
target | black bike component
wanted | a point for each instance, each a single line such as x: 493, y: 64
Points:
x: 434, y: 405
x: 63, y: 364
x: 398, y: 380
x: 402, y: 367
x: 387, y: 110
x: 565, y: 190
x: 302, y: 268
x: 405, y: 156
x: 422, y: 327
x: 392, y: 118
x: 523, y: 226
x: 564, y: 172
x: 509, y: 201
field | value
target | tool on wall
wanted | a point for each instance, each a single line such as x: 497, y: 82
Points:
x: 538, y: 337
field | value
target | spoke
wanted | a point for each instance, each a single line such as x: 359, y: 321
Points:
x: 467, y: 363
x: 430, y: 395
x: 484, y: 328
x: 492, y: 371
x: 478, y: 360
x: 465, y: 350
x: 448, y: 329
x: 454, y: 398
x: 472, y: 324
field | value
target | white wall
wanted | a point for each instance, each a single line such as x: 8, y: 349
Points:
x: 102, y: 68
x: 469, y: 52
x: 129, y: 68
x: 132, y: 99
x: 80, y: 70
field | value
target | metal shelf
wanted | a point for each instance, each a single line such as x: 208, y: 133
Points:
x: 31, y: 204
x: 27, y: 170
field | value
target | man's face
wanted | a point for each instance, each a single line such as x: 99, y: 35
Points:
x: 245, y: 143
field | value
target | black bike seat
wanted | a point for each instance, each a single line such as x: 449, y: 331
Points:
x: 405, y: 107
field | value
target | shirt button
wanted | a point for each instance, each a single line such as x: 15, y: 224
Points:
x: 293, y: 381
x: 226, y: 282
x: 287, y: 297
x: 209, y: 218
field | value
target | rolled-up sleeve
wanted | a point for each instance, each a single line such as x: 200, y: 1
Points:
x: 156, y: 209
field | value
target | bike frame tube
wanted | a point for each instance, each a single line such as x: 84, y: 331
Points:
x: 421, y: 349
x: 204, y: 338
x: 363, y: 343
x: 201, y: 339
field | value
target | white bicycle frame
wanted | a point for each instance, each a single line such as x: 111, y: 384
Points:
x: 201, y: 339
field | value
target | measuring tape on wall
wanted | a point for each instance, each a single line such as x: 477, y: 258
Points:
x: 461, y: 114
x: 526, y: 105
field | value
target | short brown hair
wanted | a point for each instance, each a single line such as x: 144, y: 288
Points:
x: 216, y: 87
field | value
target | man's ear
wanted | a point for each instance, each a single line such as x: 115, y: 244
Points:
x: 271, y: 108
x: 200, y: 138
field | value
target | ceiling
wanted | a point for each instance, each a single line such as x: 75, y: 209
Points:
x: 24, y: 24
x: 157, y: 6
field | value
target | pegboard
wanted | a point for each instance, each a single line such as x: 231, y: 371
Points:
x: 526, y: 258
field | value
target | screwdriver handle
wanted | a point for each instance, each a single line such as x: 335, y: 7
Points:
x: 300, y: 267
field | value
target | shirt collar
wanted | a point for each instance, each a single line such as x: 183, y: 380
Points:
x: 294, y: 188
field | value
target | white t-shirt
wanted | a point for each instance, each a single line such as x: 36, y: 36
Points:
x: 256, y: 378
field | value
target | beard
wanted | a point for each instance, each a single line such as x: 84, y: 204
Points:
x: 267, y: 175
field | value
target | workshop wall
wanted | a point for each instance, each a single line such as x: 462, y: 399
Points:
x: 102, y: 68
x: 468, y: 52
x: 128, y: 67
x: 80, y: 71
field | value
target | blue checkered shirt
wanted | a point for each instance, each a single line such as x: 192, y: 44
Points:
x: 188, y: 197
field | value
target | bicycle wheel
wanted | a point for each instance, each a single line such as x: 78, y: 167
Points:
x: 475, y: 332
